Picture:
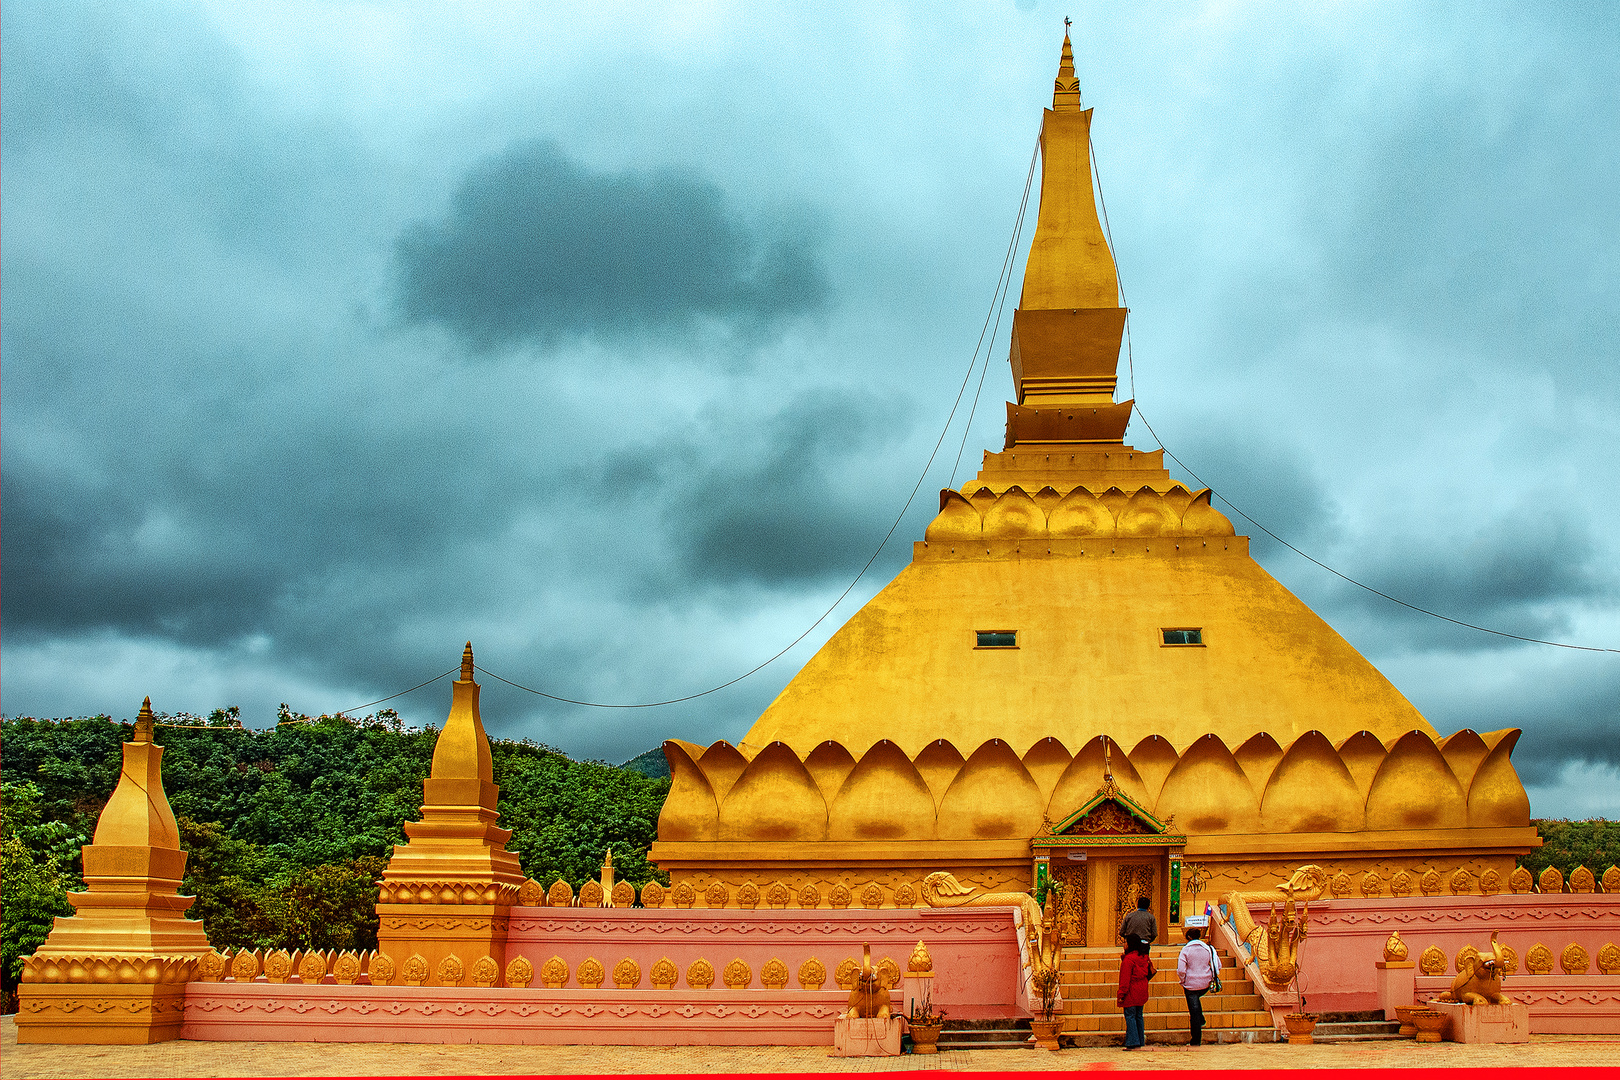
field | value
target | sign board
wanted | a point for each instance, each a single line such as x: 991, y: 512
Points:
x: 1076, y: 856
x: 1200, y: 921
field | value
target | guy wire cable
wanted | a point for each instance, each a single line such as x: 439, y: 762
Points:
x: 1130, y: 360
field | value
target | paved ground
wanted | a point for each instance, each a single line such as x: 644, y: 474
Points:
x: 393, y: 1059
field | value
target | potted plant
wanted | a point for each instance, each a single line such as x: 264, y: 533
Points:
x: 1300, y: 1024
x: 1045, y: 1025
x: 925, y: 1026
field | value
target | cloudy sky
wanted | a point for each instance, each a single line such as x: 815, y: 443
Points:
x: 614, y: 338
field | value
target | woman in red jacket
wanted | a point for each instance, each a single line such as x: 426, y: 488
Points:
x: 1135, y: 969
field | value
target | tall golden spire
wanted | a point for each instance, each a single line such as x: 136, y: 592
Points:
x: 1066, y: 90
x: 1069, y: 323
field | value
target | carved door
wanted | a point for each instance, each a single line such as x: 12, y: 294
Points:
x: 1071, y: 909
x: 1135, y: 879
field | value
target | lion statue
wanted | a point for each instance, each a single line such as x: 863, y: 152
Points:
x: 1479, y: 978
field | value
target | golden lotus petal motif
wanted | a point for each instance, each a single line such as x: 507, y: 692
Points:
x: 812, y: 974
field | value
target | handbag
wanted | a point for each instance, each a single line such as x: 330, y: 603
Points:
x: 1215, y: 962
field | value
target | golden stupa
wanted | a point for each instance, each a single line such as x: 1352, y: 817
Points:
x: 1083, y: 673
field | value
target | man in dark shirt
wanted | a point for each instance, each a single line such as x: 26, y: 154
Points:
x: 1140, y: 923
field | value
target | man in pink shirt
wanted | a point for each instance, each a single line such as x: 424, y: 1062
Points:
x: 1195, y: 967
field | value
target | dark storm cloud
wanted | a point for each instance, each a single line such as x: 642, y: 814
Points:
x: 538, y: 247
x: 1571, y: 716
x: 1522, y: 574
x: 786, y: 507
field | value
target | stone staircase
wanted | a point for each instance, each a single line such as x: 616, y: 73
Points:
x: 1091, y: 978
x: 1355, y: 1027
x: 985, y: 1035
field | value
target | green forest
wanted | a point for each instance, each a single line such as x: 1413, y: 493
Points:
x: 289, y: 828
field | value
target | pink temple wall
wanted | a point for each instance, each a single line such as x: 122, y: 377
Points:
x: 975, y: 953
x: 1347, y: 938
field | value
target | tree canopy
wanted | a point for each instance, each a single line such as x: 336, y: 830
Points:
x: 288, y: 829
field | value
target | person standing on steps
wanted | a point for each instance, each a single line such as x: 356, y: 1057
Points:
x: 1140, y: 923
x: 1135, y: 969
x: 1195, y: 968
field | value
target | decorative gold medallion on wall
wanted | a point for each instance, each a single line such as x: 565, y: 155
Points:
x: 1371, y: 884
x: 450, y: 971
x: 1520, y: 881
x: 415, y: 971
x: 700, y: 974
x: 1433, y: 961
x: 1539, y: 961
x: 652, y: 895
x: 1574, y: 960
x: 1490, y: 883
x: 905, y: 895
x: 845, y: 974
x: 1608, y: 959
x: 683, y: 895
x: 809, y: 897
x: 590, y: 894
x: 774, y: 975
x: 1340, y: 885
x: 1400, y: 884
x: 624, y: 894
x: 554, y: 973
x: 663, y: 975
x: 1462, y: 882
x: 626, y: 974
x: 484, y: 971
x: 812, y: 974
x: 778, y: 895
x: 872, y: 896
x: 277, y: 966
x: 738, y: 975
x: 590, y: 974
x: 211, y: 966
x: 1550, y: 881
x: 888, y: 973
x: 531, y: 893
x: 1582, y: 881
x: 839, y: 897
x: 520, y: 973
x: 748, y: 896
x: 381, y: 969
x: 1429, y: 883
x: 1611, y: 880
x: 346, y: 968
x: 561, y: 894
x: 716, y: 895
x: 312, y: 968
x: 1510, y: 960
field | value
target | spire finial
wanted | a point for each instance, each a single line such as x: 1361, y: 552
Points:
x: 143, y: 722
x: 1066, y: 89
x: 467, y: 663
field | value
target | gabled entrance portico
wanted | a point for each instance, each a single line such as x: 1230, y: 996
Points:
x: 1107, y: 853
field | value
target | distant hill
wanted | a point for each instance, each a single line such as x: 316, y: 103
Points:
x: 653, y: 763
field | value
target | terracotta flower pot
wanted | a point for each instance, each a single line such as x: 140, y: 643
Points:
x: 1403, y: 1013
x: 1300, y: 1026
x: 1429, y: 1024
x: 924, y: 1037
x: 1046, y: 1033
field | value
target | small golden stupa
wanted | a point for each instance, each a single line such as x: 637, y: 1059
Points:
x: 1083, y: 673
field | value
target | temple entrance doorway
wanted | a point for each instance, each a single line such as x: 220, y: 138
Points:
x: 1108, y: 852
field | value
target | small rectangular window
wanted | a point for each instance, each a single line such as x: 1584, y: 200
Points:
x: 1183, y: 635
x: 997, y: 639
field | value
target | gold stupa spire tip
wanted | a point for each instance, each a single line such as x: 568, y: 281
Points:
x: 467, y: 663
x: 143, y: 722
x: 1066, y: 88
